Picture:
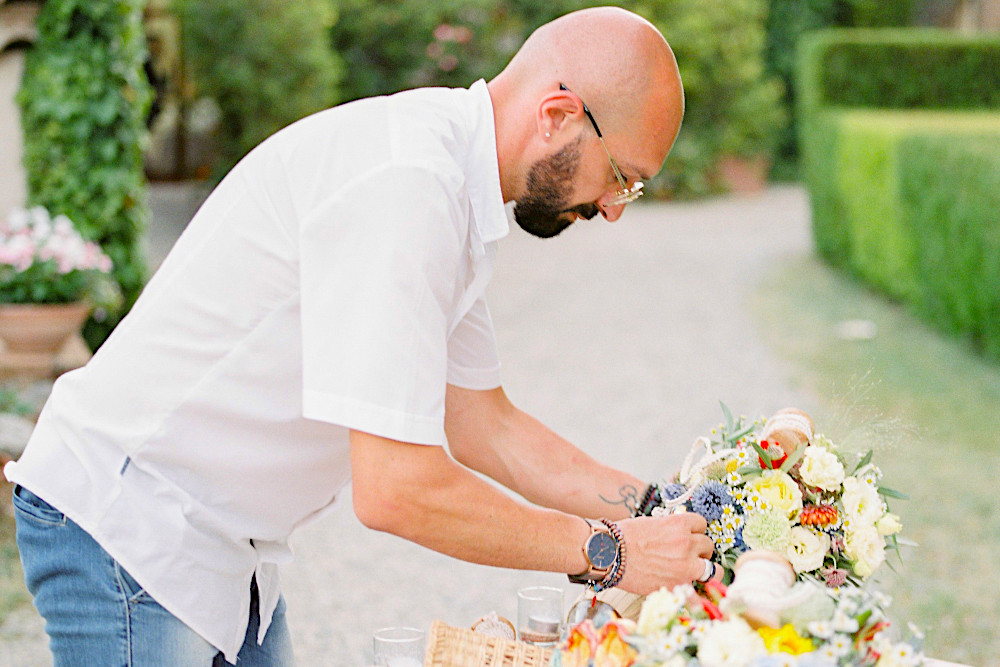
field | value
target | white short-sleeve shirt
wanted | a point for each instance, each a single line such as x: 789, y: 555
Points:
x: 333, y: 280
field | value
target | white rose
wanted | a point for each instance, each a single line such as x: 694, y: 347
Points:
x: 730, y: 644
x: 821, y: 468
x: 864, y: 546
x: 660, y: 608
x: 807, y: 548
x: 862, y: 503
x: 779, y: 490
x: 888, y: 525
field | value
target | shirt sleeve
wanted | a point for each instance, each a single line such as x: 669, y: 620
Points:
x: 473, y: 361
x: 379, y: 265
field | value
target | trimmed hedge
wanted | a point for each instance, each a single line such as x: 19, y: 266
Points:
x: 868, y: 167
x: 869, y: 102
x: 83, y: 99
x: 899, y: 69
x: 956, y: 232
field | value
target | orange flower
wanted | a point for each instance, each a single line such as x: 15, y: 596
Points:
x: 579, y: 645
x: 613, y: 651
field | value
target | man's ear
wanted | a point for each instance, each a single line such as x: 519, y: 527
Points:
x: 556, y: 111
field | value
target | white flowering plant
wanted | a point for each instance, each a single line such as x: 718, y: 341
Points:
x: 684, y: 628
x: 46, y: 260
x: 776, y: 486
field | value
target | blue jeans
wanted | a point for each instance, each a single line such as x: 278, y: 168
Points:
x: 96, y: 614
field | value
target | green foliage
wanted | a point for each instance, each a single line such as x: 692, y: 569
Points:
x: 950, y: 193
x: 887, y: 205
x: 820, y: 126
x: 903, y: 69
x: 393, y: 46
x: 788, y: 20
x: 266, y: 63
x: 83, y: 100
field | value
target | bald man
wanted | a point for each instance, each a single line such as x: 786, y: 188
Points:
x: 322, y: 319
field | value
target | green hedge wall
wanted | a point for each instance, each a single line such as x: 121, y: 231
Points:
x: 956, y: 232
x: 868, y: 166
x: 869, y: 102
x: 84, y: 99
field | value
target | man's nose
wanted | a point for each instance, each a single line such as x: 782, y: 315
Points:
x: 610, y: 213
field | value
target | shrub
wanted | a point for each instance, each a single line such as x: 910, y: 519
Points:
x: 868, y: 166
x: 266, y: 63
x: 788, y: 20
x: 899, y: 135
x: 956, y: 232
x: 84, y: 99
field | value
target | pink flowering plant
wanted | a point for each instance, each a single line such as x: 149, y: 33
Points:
x: 777, y: 486
x: 45, y: 260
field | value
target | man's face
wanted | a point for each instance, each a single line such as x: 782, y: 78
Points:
x: 543, y: 210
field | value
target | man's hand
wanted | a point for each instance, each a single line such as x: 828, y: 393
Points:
x: 664, y: 551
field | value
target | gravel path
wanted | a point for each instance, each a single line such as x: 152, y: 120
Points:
x: 621, y: 337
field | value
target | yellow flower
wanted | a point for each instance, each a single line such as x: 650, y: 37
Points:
x: 785, y: 640
x: 779, y: 490
x: 613, y: 651
x: 577, y: 651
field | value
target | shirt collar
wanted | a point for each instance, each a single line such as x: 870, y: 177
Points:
x: 483, y: 169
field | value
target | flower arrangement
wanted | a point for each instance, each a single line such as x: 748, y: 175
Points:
x: 777, y: 486
x: 682, y: 628
x: 45, y: 260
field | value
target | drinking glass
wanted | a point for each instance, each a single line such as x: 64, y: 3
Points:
x: 539, y: 615
x: 398, y: 647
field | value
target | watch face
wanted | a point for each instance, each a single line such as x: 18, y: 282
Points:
x: 601, y: 550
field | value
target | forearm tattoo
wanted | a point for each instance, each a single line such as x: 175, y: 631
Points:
x: 628, y: 496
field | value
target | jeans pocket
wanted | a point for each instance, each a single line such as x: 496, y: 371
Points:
x: 29, y: 506
x: 131, y: 589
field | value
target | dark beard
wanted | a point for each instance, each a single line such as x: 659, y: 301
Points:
x: 543, y: 211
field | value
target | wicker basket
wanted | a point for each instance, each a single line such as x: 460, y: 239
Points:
x: 457, y: 647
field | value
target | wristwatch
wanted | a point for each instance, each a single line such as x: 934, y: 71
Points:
x: 601, y: 551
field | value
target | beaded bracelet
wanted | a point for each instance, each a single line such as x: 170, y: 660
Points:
x: 650, y: 501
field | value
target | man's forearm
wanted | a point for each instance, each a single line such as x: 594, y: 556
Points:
x: 526, y: 456
x: 421, y: 494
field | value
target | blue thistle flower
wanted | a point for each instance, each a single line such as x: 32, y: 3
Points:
x: 709, y: 499
x: 672, y: 491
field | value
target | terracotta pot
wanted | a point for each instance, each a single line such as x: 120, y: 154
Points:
x: 40, y: 328
x: 743, y: 175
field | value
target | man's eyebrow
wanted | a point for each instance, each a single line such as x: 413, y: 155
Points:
x: 632, y: 169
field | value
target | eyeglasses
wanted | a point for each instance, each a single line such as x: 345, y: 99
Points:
x: 626, y: 194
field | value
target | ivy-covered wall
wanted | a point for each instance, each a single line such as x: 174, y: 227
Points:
x: 84, y: 99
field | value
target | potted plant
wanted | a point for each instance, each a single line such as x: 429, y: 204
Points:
x: 51, y: 278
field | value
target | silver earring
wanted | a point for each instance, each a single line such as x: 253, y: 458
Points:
x: 548, y: 135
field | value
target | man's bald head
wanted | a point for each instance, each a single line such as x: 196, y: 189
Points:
x: 615, y: 60
x: 605, y: 60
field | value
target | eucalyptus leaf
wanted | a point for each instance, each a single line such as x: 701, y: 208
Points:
x: 793, y: 458
x: 865, y: 460
x: 892, y: 493
x: 765, y: 457
x: 728, y: 415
